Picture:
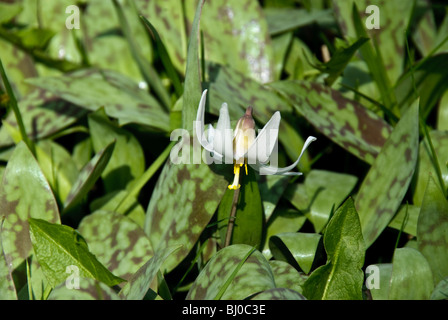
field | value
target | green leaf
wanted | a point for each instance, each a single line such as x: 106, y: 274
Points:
x: 378, y: 280
x: 387, y: 181
x: 427, y: 166
x: 7, y: 287
x: 339, y: 60
x: 255, y: 275
x: 127, y: 161
x: 248, y: 225
x: 43, y: 114
x: 320, y: 194
x: 58, y: 247
x: 192, y: 86
x: 116, y: 241
x: 441, y: 290
x: 139, y: 284
x: 432, y: 236
x: 183, y: 202
x: 411, y: 276
x: 240, y: 27
x: 297, y: 248
x: 341, y: 278
x: 346, y: 122
x: 120, y: 96
x: 24, y: 193
x: 88, y: 176
x: 286, y: 276
x: 57, y: 165
x: 89, y: 289
x: 278, y: 294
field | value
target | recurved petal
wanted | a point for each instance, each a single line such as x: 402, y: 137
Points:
x: 263, y: 145
x: 199, y: 124
x: 270, y: 170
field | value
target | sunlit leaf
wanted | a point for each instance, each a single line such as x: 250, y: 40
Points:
x: 387, y: 181
x: 341, y: 278
x: 24, y: 193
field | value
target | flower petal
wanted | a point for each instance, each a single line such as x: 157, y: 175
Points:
x: 199, y: 124
x: 223, y: 141
x: 271, y: 170
x: 264, y: 143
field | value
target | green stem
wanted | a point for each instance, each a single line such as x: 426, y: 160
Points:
x: 232, y: 217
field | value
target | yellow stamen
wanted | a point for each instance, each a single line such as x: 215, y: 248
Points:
x: 236, y: 170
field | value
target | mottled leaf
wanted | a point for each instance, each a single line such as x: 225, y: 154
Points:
x: 387, y: 181
x: 43, y: 114
x: 271, y: 189
x: 89, y: 289
x: 441, y: 290
x: 286, y: 19
x: 120, y: 97
x: 346, y: 122
x: 297, y: 248
x: 116, y: 241
x: 7, y: 288
x: 88, y: 176
x: 139, y: 284
x: 278, y: 294
x: 127, y: 161
x: 432, y: 235
x: 411, y: 276
x: 239, y: 27
x: 58, y: 247
x: 183, y: 202
x: 286, y: 276
x: 254, y: 276
x: 341, y: 278
x: 24, y: 193
x: 406, y: 219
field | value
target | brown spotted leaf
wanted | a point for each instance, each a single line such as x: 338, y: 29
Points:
x: 254, y: 276
x: 387, y: 181
x: 24, y: 193
x: 346, y: 122
x: 116, y: 241
x: 120, y: 96
x: 183, y: 202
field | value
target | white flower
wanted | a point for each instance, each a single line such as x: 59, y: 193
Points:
x: 241, y: 146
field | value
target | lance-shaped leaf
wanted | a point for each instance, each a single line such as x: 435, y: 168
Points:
x: 346, y: 122
x: 240, y: 27
x: 183, y: 202
x: 279, y: 294
x: 24, y: 193
x: 88, y: 176
x: 342, y: 277
x: 116, y: 241
x: 89, y: 289
x: 286, y: 276
x: 253, y: 276
x: 141, y: 281
x: 432, y: 229
x: 427, y: 164
x: 7, y: 288
x: 192, y: 86
x: 121, y: 97
x: 387, y: 181
x: 58, y: 247
x: 127, y: 161
x: 411, y: 276
x: 43, y: 114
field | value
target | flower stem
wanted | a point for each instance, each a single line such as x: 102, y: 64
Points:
x: 232, y: 217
